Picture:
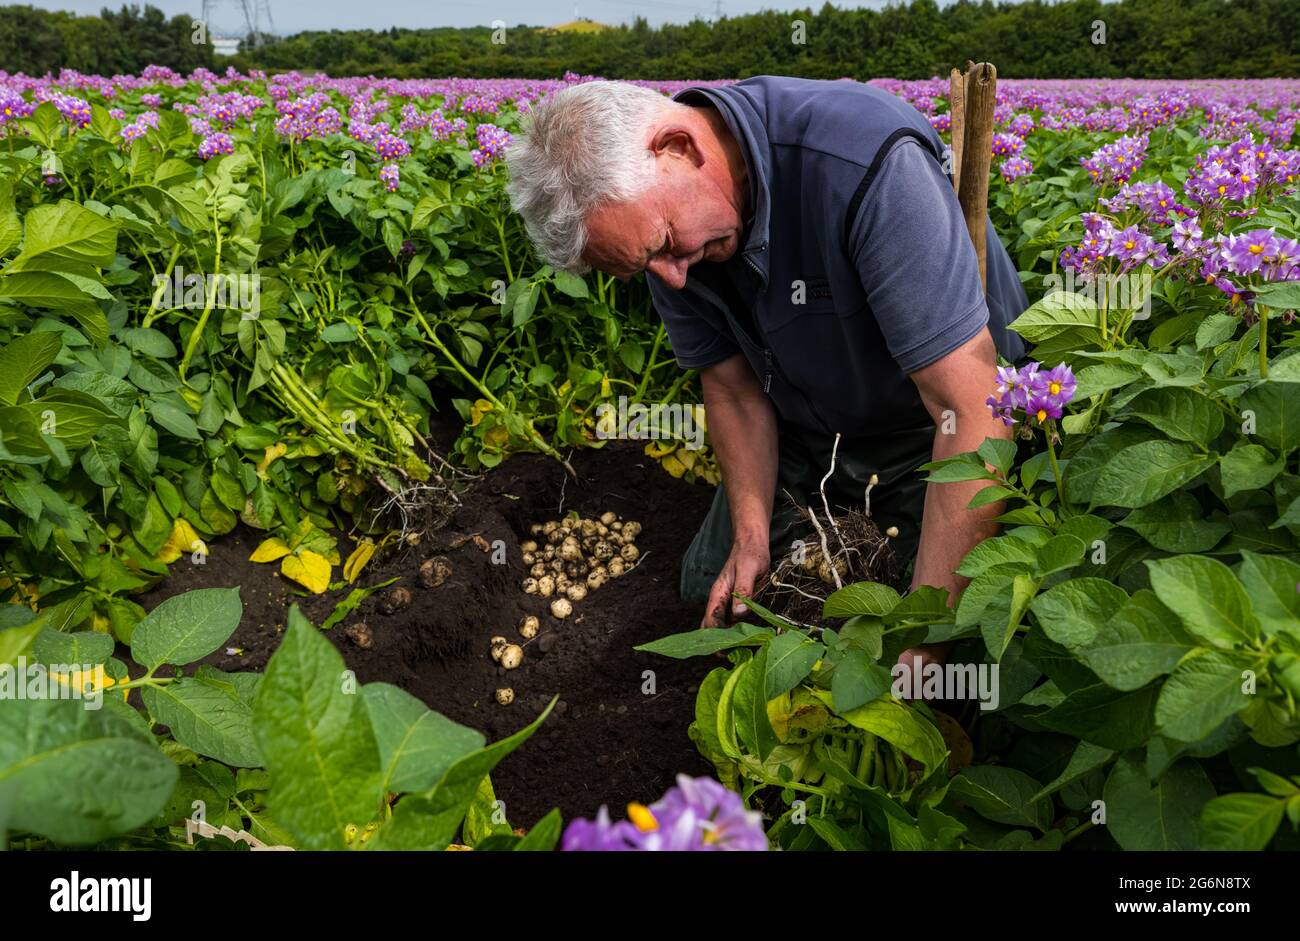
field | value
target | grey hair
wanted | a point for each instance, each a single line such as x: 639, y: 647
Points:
x: 583, y: 146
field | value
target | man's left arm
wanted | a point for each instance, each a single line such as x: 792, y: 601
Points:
x: 954, y: 389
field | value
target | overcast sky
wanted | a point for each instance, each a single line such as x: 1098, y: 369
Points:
x: 291, y: 16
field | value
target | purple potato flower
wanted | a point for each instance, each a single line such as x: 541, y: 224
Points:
x: 698, y: 814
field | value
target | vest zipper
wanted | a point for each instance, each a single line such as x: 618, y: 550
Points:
x: 769, y: 363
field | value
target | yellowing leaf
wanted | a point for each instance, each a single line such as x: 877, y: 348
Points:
x: 605, y: 390
x: 180, y: 542
x: 497, y: 437
x: 478, y: 410
x: 88, y: 681
x: 308, y: 569
x: 657, y: 449
x: 192, y: 397
x: 672, y: 465
x: 686, y: 456
x: 272, y: 454
x: 270, y: 550
x: 362, y: 554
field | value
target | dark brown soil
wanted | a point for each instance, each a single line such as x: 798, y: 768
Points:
x: 607, y: 742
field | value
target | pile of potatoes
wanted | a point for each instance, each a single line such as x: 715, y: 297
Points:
x: 569, y: 558
x: 573, y: 556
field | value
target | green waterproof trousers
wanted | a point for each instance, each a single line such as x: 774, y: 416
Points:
x: 804, y: 457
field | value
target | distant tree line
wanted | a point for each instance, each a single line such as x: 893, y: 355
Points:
x: 1067, y: 39
x: 39, y: 41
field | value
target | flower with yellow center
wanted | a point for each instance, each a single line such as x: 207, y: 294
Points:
x: 642, y: 818
x: 1041, y: 414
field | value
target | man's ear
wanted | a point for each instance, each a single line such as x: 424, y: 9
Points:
x: 677, y: 139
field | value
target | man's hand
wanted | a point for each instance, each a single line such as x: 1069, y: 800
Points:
x: 747, y: 563
x: 742, y: 429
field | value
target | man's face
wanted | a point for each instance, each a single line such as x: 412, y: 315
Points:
x: 684, y: 218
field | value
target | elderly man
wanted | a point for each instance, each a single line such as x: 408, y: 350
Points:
x: 808, y: 256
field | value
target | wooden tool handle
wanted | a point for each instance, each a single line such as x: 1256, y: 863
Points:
x: 976, y: 157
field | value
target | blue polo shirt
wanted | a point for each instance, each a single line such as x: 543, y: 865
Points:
x: 856, y: 268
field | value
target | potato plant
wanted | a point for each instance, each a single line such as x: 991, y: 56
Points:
x: 300, y: 756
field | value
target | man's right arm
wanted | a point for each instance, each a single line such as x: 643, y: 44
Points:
x: 742, y: 430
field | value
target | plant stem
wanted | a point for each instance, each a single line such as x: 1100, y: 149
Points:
x: 162, y: 288
x: 1056, y: 468
x: 1263, y: 341
x: 645, y: 376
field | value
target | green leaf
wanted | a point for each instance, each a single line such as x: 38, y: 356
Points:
x: 1201, y: 693
x: 1248, y: 467
x: 1072, y: 612
x: 1094, y: 380
x: 544, y: 835
x: 706, y: 641
x: 999, y: 452
x: 80, y: 648
x: 838, y: 838
x: 1003, y: 795
x: 570, y: 284
x: 899, y: 725
x: 857, y: 681
x: 1002, y: 617
x: 315, y: 736
x: 1141, y: 641
x: 75, y: 775
x: 11, y: 230
x: 174, y: 419
x: 790, y: 658
x: 67, y: 232
x: 187, y: 627
x: 870, y: 598
x: 1183, y: 414
x: 416, y: 744
x: 995, y: 551
x: 1207, y: 597
x: 1104, y: 716
x: 1276, y: 413
x: 1059, y: 553
x: 1216, y: 329
x: 1163, y: 817
x: 1056, y: 313
x: 1240, y: 821
x: 1272, y: 583
x: 750, y: 704
x: 429, y: 821
x: 957, y: 472
x: 207, y: 718
x: 1085, y: 759
x: 23, y: 360
x: 17, y: 641
x: 1084, y: 469
x: 1176, y: 523
x: 1143, y: 473
x: 525, y: 304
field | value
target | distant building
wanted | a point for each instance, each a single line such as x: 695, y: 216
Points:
x: 225, y: 47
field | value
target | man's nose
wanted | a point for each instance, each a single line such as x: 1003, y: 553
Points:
x: 672, y: 271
